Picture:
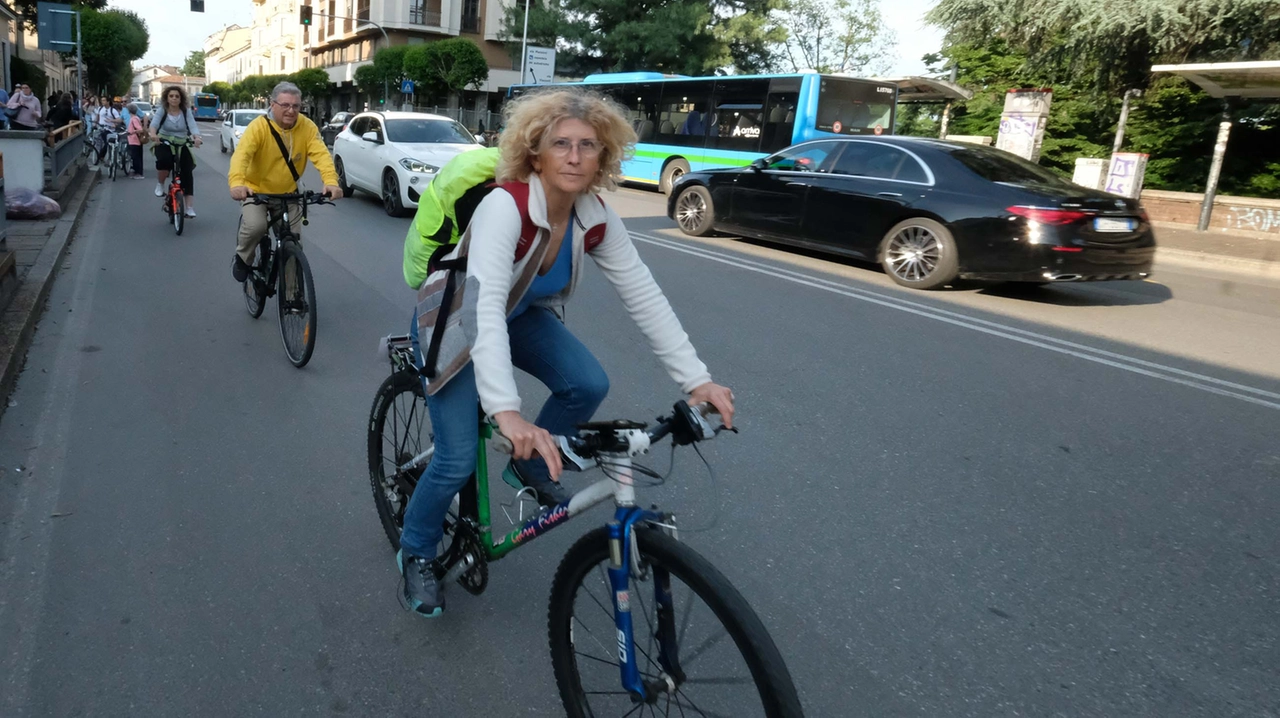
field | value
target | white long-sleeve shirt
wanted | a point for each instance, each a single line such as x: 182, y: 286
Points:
x: 495, y: 232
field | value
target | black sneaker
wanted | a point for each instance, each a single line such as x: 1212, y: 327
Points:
x: 239, y: 269
x: 550, y: 493
x: 422, y: 591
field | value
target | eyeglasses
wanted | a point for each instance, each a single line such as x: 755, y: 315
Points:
x: 563, y: 147
x: 293, y: 106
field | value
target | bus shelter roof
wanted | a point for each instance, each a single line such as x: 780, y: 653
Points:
x: 1231, y: 79
x: 915, y: 88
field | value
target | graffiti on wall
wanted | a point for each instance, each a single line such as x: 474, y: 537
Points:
x: 1256, y: 219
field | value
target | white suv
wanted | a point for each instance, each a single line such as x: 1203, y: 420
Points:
x: 395, y: 155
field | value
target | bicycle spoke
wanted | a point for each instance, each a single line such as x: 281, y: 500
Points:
x: 687, y: 659
x: 720, y: 681
x: 652, y: 633
x: 694, y: 707
x: 684, y: 625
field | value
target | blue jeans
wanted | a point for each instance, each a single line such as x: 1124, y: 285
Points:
x: 541, y: 346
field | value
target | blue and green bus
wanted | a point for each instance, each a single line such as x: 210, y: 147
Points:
x: 694, y: 123
x: 205, y: 106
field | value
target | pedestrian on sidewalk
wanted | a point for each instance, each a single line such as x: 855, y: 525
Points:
x: 28, y: 107
x: 137, y: 134
x: 4, y: 102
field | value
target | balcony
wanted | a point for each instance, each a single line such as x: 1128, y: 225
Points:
x: 428, y: 13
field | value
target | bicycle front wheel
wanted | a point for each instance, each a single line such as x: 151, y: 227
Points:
x: 178, y: 208
x: 687, y: 665
x: 111, y: 164
x: 91, y: 154
x: 297, y: 303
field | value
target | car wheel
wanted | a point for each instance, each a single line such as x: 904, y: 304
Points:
x: 920, y: 253
x: 391, y: 194
x: 694, y: 212
x: 222, y: 141
x: 673, y: 171
x: 343, y: 184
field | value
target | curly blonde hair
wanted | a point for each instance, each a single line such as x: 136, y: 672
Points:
x: 529, y: 119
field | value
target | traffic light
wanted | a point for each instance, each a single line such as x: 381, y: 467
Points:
x: 305, y: 17
x: 197, y: 5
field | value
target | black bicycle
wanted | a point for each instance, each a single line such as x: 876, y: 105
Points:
x: 279, y: 265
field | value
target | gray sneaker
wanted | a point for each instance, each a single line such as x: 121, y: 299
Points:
x: 422, y: 590
x: 550, y: 493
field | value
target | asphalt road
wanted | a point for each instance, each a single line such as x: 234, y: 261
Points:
x: 979, y: 502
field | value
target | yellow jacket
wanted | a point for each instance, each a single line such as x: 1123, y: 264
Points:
x: 259, y: 165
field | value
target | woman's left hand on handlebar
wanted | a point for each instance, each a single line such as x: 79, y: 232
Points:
x: 718, y: 396
x: 528, y: 439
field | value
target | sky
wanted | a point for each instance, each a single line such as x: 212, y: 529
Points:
x: 176, y: 31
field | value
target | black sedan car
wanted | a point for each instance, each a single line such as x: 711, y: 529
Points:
x: 334, y: 126
x: 929, y: 211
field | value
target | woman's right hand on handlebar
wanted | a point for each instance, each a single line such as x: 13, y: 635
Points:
x: 240, y: 194
x: 527, y: 440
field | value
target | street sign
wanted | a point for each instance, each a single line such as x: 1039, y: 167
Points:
x: 53, y: 26
x: 539, y: 65
x: 406, y: 87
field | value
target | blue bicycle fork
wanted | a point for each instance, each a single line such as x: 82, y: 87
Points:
x: 620, y: 559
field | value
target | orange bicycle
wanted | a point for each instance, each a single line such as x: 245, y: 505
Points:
x: 175, y: 203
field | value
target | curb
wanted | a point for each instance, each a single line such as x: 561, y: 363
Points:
x: 19, y: 321
x: 1237, y: 265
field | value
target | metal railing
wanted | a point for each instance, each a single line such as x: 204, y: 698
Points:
x: 420, y: 15
x: 63, y: 149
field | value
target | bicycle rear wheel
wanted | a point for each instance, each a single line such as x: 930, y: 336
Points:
x: 178, y: 210
x: 399, y: 430
x: 255, y: 286
x: 692, y: 670
x: 296, y: 300
x: 91, y: 153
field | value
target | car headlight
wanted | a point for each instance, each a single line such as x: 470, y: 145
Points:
x: 237, y: 132
x: 418, y: 166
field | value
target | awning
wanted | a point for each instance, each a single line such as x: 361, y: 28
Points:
x: 1231, y: 79
x: 915, y: 88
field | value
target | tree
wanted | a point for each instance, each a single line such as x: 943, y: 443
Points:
x: 694, y: 37
x: 112, y: 40
x: 256, y: 88
x: 446, y: 66
x: 226, y: 93
x: 29, y: 11
x: 194, y: 66
x: 1115, y: 43
x: 313, y: 82
x: 834, y: 36
x: 369, y: 80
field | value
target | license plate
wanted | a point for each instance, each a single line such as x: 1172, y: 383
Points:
x: 1109, y: 224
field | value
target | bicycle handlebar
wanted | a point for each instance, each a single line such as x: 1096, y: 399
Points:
x: 308, y: 197
x: 686, y: 425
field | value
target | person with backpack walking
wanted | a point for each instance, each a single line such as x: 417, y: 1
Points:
x: 524, y: 256
x: 175, y: 123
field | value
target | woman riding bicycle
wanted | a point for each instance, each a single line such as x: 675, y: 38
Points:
x: 175, y: 124
x: 559, y: 149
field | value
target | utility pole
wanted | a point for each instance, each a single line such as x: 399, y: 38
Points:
x: 524, y: 43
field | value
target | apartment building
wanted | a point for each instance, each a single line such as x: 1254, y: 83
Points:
x: 146, y: 75
x: 338, y: 43
x: 225, y: 53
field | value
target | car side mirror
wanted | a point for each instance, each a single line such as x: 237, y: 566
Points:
x: 370, y: 137
x: 759, y: 164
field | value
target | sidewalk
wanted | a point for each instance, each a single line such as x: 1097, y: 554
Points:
x: 1248, y: 253
x: 40, y: 246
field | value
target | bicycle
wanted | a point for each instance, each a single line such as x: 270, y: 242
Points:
x: 175, y: 203
x: 594, y: 648
x: 109, y: 149
x: 290, y: 276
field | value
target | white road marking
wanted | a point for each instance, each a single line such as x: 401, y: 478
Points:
x: 1213, y: 385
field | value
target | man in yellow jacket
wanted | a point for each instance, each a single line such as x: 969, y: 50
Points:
x: 259, y: 166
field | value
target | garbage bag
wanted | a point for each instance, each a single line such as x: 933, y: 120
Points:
x: 23, y: 203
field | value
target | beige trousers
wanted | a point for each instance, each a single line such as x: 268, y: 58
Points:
x: 253, y: 227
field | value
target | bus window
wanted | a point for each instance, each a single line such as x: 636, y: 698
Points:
x: 854, y: 108
x: 682, y: 114
x: 641, y: 101
x: 738, y: 116
x: 780, y: 114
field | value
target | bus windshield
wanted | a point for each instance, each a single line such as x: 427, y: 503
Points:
x: 206, y: 100
x: 846, y: 107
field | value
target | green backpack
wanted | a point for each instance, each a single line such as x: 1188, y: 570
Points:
x: 446, y: 207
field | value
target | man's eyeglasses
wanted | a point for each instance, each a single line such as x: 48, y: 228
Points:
x: 563, y: 147
x: 288, y: 107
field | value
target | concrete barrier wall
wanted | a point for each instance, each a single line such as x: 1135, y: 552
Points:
x: 1229, y: 213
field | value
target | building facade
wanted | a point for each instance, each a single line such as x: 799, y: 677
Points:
x: 146, y: 75
x: 226, y: 54
x: 153, y: 88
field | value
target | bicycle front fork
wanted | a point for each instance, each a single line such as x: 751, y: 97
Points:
x: 625, y: 561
